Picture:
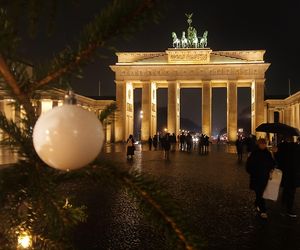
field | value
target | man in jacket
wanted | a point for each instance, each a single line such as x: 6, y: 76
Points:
x: 259, y: 165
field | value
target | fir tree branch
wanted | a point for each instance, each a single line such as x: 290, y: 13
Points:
x: 107, y: 112
x: 16, y: 90
x: 98, y: 40
x: 83, y: 55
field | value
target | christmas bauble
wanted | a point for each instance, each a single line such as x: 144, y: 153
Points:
x: 68, y: 137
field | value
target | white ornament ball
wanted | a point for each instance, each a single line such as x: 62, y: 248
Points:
x: 68, y: 137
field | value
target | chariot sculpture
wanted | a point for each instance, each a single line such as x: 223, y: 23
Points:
x: 192, y: 40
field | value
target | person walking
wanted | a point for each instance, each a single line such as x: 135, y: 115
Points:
x: 130, y: 147
x: 201, y: 144
x: 182, y: 141
x: 166, y: 144
x: 218, y: 139
x: 287, y: 157
x: 239, y: 148
x: 173, y: 142
x: 155, y: 142
x: 259, y: 165
x: 206, y: 144
x: 150, y: 141
x: 189, y: 142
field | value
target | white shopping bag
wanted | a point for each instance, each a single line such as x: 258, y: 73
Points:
x: 272, y: 189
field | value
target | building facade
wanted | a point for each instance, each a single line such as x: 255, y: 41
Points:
x: 179, y: 68
x: 46, y: 100
x: 284, y: 110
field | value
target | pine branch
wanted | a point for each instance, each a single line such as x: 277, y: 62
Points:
x: 107, y: 112
x: 22, y: 98
x: 95, y: 36
x: 16, y: 137
x: 83, y: 55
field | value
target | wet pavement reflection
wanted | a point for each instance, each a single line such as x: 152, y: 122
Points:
x: 215, y: 201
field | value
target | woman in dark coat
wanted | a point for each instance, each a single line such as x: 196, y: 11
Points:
x: 259, y: 165
x: 130, y: 147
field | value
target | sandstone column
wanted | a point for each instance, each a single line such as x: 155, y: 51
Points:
x: 9, y: 109
x: 257, y: 104
x: 153, y: 128
x: 297, y: 116
x: 149, y: 110
x: 270, y: 115
x: 120, y: 121
x: 292, y: 119
x: 146, y: 108
x: 287, y: 119
x: 173, y: 107
x: 232, y: 110
x: 46, y: 105
x: 129, y: 118
x: 206, y: 108
x: 281, y: 116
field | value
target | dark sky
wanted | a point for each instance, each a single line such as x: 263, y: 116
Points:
x: 232, y: 25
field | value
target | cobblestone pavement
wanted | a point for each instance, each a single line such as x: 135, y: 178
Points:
x: 216, y: 202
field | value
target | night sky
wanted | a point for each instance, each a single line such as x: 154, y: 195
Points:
x: 232, y: 25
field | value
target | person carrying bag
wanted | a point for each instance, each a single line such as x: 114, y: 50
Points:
x: 260, y: 164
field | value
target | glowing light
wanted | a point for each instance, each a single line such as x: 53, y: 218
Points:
x: 24, y: 240
x: 165, y: 130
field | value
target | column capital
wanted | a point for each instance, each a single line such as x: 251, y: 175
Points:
x: 231, y: 81
x: 120, y: 81
x: 173, y: 81
x: 260, y: 81
x: 206, y: 81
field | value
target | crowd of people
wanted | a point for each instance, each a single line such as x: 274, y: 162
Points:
x: 262, y: 158
x: 170, y: 142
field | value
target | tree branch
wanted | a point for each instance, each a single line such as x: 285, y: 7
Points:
x: 87, y: 53
x: 15, y: 88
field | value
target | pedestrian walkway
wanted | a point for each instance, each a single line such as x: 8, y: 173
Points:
x: 214, y: 196
x: 216, y: 200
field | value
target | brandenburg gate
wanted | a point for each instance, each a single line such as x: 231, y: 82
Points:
x: 190, y: 65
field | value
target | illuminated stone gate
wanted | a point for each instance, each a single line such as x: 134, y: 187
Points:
x: 179, y: 68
